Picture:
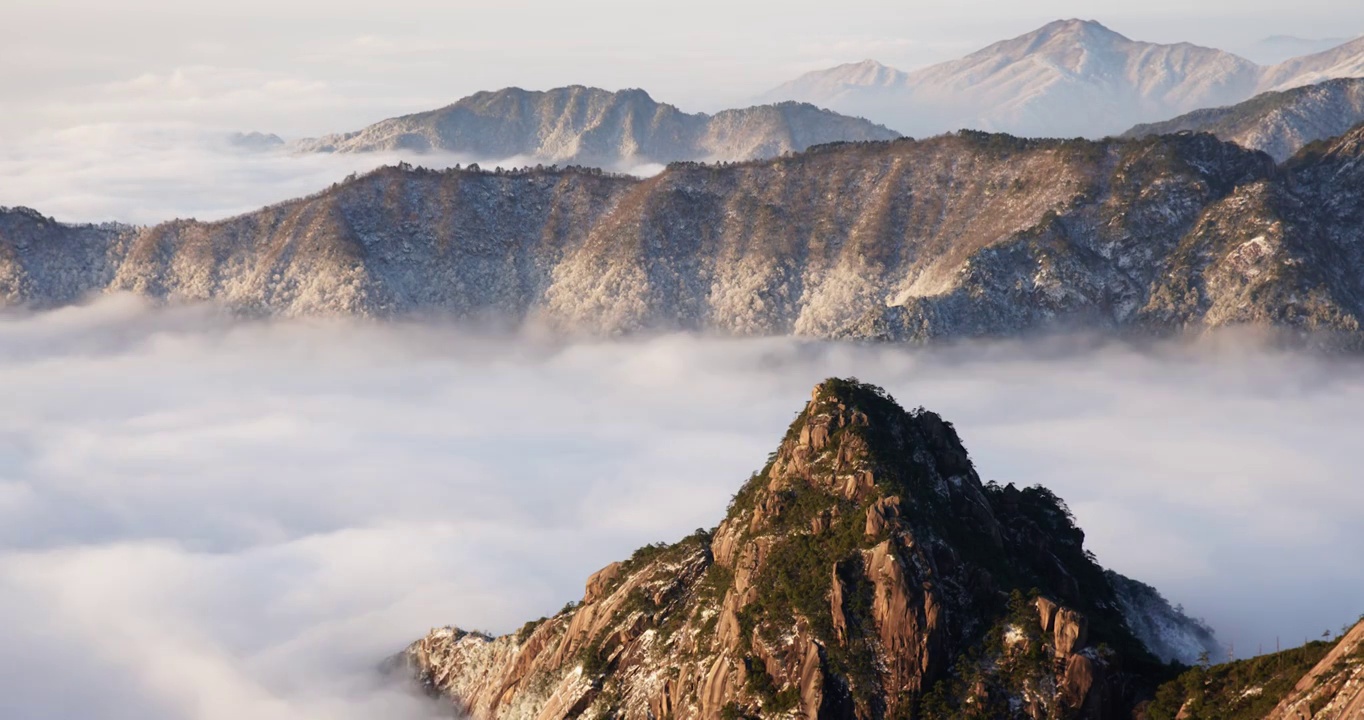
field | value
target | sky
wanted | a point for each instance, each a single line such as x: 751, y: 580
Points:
x: 203, y: 518
x: 309, y: 67
x: 109, y: 104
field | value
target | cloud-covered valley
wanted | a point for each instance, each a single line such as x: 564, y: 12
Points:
x: 202, y: 517
x: 145, y: 173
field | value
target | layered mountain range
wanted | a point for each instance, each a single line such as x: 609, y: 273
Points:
x: 1069, y: 78
x: 582, y: 125
x: 1279, y: 123
x: 970, y: 235
x: 864, y: 572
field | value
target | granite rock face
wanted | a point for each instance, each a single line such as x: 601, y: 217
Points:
x: 1334, y: 689
x: 865, y: 572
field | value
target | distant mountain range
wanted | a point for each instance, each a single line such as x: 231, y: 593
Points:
x: 970, y: 235
x: 590, y: 126
x: 1069, y: 78
x: 254, y: 141
x: 1279, y: 123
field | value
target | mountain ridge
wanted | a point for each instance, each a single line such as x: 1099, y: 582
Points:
x: 585, y: 125
x: 971, y: 235
x: 1067, y: 78
x: 1279, y: 123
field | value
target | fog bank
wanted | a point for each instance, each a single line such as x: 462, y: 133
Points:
x: 147, y: 173
x: 209, y: 518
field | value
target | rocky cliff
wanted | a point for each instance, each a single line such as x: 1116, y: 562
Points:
x: 970, y: 235
x: 864, y: 572
x: 1278, y: 123
x: 1333, y: 689
x: 602, y: 128
x: 1321, y: 680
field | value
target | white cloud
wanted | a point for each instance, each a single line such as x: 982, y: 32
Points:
x: 147, y: 173
x: 207, y: 518
x: 203, y: 89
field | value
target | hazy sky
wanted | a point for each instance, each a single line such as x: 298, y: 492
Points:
x: 209, y: 520
x: 115, y: 111
x: 309, y: 66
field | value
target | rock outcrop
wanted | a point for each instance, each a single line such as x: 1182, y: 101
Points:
x: 965, y: 236
x: 865, y: 572
x: 1321, y: 680
x: 1334, y: 689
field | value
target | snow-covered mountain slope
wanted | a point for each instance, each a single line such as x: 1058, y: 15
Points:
x: 602, y: 128
x: 1279, y: 123
x: 1077, y: 78
x: 851, y: 76
x: 1345, y: 61
x: 971, y: 235
x: 1278, y: 48
x: 1165, y: 630
x: 1068, y: 78
x: 863, y: 89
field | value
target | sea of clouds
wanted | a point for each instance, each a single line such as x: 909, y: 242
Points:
x: 209, y: 518
x: 146, y: 173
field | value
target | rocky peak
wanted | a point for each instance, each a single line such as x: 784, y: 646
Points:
x: 868, y: 72
x: 865, y: 572
x: 853, y: 453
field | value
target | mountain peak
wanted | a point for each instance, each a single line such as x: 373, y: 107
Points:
x: 1069, y: 77
x: 1072, y: 31
x: 866, y: 72
x: 868, y: 64
x: 849, y: 446
x: 830, y: 591
x: 1073, y: 26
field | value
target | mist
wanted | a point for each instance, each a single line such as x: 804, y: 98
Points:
x: 146, y: 173
x: 204, y: 517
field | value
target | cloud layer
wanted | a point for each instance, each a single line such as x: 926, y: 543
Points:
x: 146, y: 173
x: 208, y: 518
